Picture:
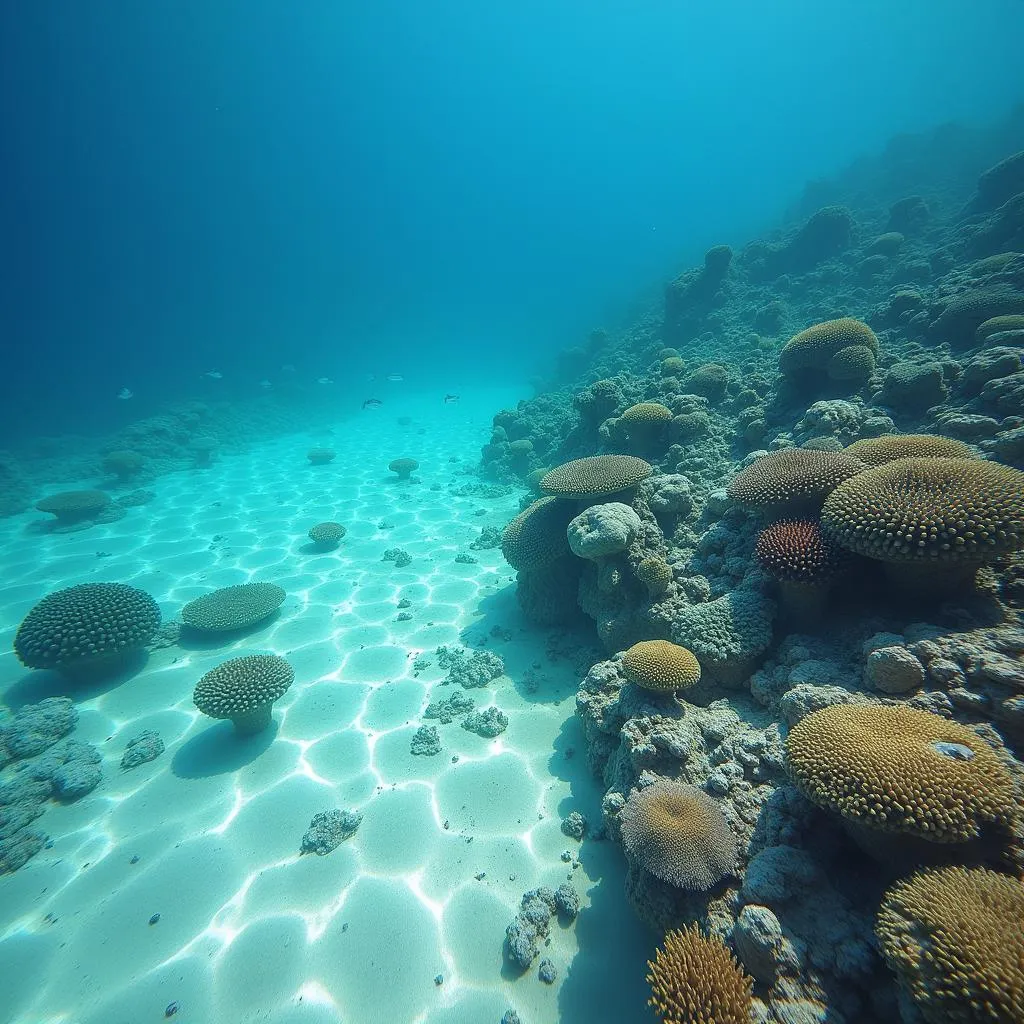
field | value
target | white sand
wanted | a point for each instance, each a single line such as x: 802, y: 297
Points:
x: 248, y: 929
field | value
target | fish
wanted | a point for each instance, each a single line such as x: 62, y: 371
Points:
x: 372, y: 403
x: 395, y: 377
x: 266, y: 385
x: 213, y: 374
x: 324, y: 380
x: 450, y: 398
x: 124, y: 394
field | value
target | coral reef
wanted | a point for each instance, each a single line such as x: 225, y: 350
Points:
x: 243, y: 690
x: 233, y: 608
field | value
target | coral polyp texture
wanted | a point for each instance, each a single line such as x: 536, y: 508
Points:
x: 321, y: 456
x: 795, y: 551
x: 679, y: 834
x: 326, y: 536
x: 875, y: 451
x: 814, y: 349
x: 536, y: 537
x: 403, y: 467
x: 900, y: 770
x: 646, y: 414
x: 243, y: 690
x: 87, y: 626
x: 792, y: 476
x: 74, y: 506
x: 661, y: 666
x: 929, y: 510
x: 695, y: 979
x: 655, y: 574
x: 233, y: 607
x: 595, y: 476
x: 955, y: 939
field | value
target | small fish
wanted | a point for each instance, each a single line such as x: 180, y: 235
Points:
x: 450, y: 398
x: 124, y: 394
x: 372, y: 403
x: 213, y: 374
x: 395, y: 377
x: 324, y: 380
x: 266, y: 385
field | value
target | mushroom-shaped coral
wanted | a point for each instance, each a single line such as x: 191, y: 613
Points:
x: 932, y: 521
x: 660, y: 666
x: 536, y: 537
x: 811, y: 352
x: 87, y: 628
x: 326, y: 536
x: 403, y: 467
x: 955, y: 939
x: 244, y: 690
x: 803, y: 563
x: 233, y: 607
x: 74, y: 506
x: 321, y: 456
x: 679, y: 834
x: 793, y: 478
x: 694, y: 979
x: 123, y: 463
x: 595, y: 476
x: 901, y: 771
x: 874, y: 451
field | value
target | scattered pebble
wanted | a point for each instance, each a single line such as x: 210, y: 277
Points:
x: 439, y: 980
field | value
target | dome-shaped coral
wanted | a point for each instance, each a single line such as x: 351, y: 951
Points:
x: 646, y: 414
x: 660, y: 666
x: 795, y: 551
x: 403, y: 467
x: 900, y: 770
x: 596, y: 476
x: 321, y: 456
x: 123, y: 463
x: 74, y: 506
x: 874, y: 451
x: 233, y: 607
x: 955, y: 938
x: 854, y: 364
x: 939, y: 510
x: 536, y: 537
x: 673, y: 366
x: 243, y: 690
x: 792, y: 477
x: 694, y: 979
x: 655, y: 574
x: 679, y: 834
x: 813, y: 349
x: 85, y: 628
x: 326, y: 536
x: 997, y: 325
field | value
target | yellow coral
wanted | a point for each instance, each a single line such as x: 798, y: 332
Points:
x: 813, y: 348
x: 661, y: 666
x: 596, y: 476
x: 873, y: 451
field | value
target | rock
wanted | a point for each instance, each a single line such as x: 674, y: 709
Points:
x: 893, y: 670
x: 758, y: 939
x: 603, y: 530
x: 328, y: 830
x: 426, y: 742
x: 488, y: 723
x: 574, y: 825
x: 547, y: 972
x: 567, y: 902
x: 147, y: 746
x: 913, y: 387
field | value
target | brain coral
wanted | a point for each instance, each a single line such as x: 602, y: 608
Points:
x: 660, y: 666
x: 927, y: 510
x: 954, y: 938
x: 813, y: 348
x: 233, y: 607
x: 596, y: 476
x: 403, y: 467
x: 679, y: 834
x: 243, y: 690
x: 794, y: 550
x: 694, y: 979
x: 873, y: 451
x: 900, y: 770
x: 792, y: 475
x: 646, y: 414
x: 536, y: 537
x: 74, y: 506
x: 326, y: 535
x: 87, y: 626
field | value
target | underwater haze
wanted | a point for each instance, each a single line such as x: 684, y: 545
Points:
x: 446, y: 189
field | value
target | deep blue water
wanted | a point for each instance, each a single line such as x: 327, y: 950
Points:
x: 448, y: 190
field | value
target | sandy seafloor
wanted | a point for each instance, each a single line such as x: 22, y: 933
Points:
x: 249, y: 930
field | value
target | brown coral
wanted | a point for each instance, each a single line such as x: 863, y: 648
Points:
x: 792, y: 476
x: 900, y: 770
x: 403, y: 467
x: 661, y: 666
x: 694, y: 979
x: 326, y: 536
x: 243, y: 690
x: 655, y: 574
x: 679, y: 834
x: 596, y: 476
x: 813, y: 349
x: 74, y: 506
x: 874, y: 451
x: 954, y: 937
x: 536, y: 537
